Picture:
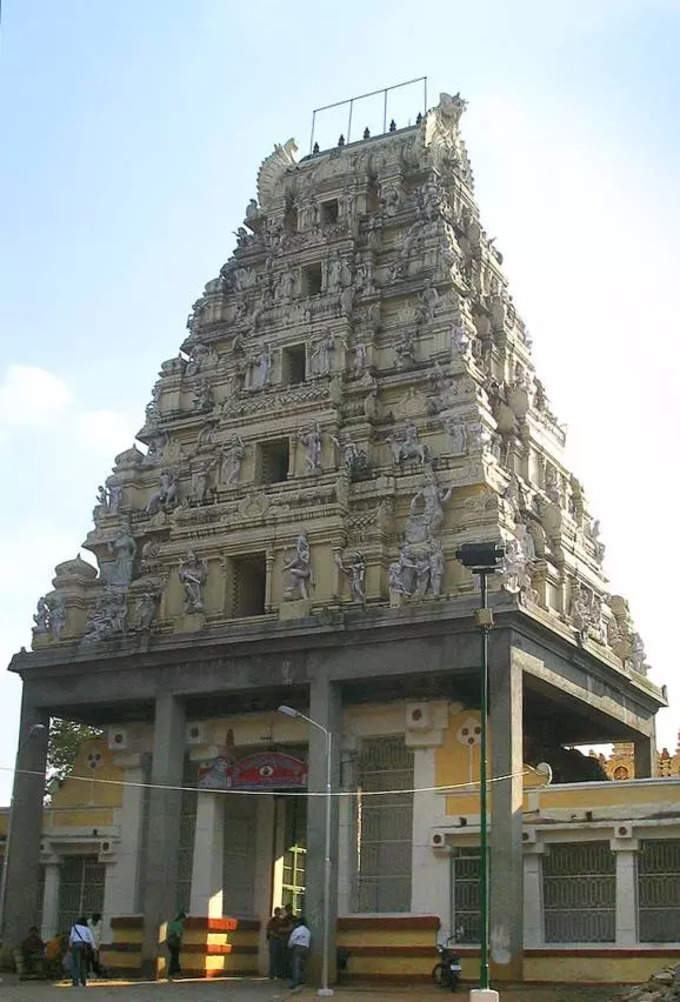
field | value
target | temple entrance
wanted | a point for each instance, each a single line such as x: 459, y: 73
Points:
x: 81, y: 889
x: 290, y: 852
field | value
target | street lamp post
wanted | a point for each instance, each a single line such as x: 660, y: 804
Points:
x: 324, y: 990
x: 483, y: 559
x: 33, y: 732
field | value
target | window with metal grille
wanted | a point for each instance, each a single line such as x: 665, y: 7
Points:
x: 465, y: 893
x: 658, y: 879
x: 81, y: 888
x: 579, y: 893
x: 187, y: 831
x: 384, y: 827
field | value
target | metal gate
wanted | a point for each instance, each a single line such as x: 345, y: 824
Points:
x: 81, y: 889
x: 238, y: 868
x: 579, y: 893
x: 295, y: 853
x: 384, y: 827
x: 658, y: 867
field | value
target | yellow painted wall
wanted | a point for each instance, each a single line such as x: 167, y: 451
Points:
x: 565, y: 967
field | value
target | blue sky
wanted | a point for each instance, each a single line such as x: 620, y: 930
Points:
x: 131, y: 138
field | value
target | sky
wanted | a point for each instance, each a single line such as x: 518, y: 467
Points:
x: 131, y: 138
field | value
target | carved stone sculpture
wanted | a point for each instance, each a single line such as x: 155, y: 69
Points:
x: 457, y: 433
x: 405, y: 349
x: 109, y: 616
x: 298, y: 576
x: 200, y: 479
x: 41, y: 617
x: 311, y: 440
x: 407, y: 445
x: 118, y: 572
x: 258, y: 367
x: 232, y: 458
x: 356, y: 572
x: 519, y: 557
x: 193, y: 574
x: 354, y: 458
x: 166, y: 497
x: 320, y: 359
x: 203, y: 398
x: 428, y: 303
x: 428, y: 523
x: 146, y: 608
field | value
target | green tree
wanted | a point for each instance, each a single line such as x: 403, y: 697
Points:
x: 66, y: 736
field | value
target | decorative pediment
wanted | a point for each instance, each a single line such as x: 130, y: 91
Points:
x: 272, y: 170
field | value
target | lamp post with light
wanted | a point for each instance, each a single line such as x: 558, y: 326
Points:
x: 483, y: 559
x: 324, y: 990
x: 34, y: 731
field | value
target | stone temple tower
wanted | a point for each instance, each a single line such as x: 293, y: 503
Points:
x: 354, y: 399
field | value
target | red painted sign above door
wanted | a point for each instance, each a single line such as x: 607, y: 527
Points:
x: 262, y: 771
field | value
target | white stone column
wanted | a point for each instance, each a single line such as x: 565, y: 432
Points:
x: 121, y: 883
x: 207, y: 869
x: 50, y: 913
x: 626, y: 890
x: 533, y: 897
x: 264, y: 843
x: 430, y: 870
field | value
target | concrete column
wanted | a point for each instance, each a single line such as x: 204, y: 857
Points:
x: 208, y: 862
x: 22, y: 866
x: 645, y: 755
x: 430, y: 888
x: 626, y: 891
x: 533, y: 898
x: 50, y: 913
x: 506, y: 860
x: 160, y: 877
x: 121, y: 888
x: 325, y: 706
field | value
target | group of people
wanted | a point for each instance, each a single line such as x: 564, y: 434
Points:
x: 77, y: 954
x: 288, y: 938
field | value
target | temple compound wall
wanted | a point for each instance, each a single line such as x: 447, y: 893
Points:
x: 355, y: 397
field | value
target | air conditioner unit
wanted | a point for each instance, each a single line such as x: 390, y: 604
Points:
x: 418, y: 716
x: 438, y: 840
x: 623, y: 829
x: 117, y: 738
x: 196, y: 734
x: 529, y: 836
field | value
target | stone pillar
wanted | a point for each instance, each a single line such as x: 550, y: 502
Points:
x: 22, y: 867
x: 533, y: 897
x: 626, y: 891
x: 431, y: 871
x: 167, y: 769
x: 270, y: 557
x: 208, y: 862
x: 645, y: 755
x: 505, y: 858
x: 122, y: 886
x: 325, y: 706
x: 264, y: 841
x: 50, y: 913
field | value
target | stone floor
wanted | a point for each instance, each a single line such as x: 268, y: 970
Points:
x: 258, y: 990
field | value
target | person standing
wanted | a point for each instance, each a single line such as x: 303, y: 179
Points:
x: 95, y: 926
x: 173, y: 939
x: 80, y: 943
x: 298, y: 945
x: 276, y: 945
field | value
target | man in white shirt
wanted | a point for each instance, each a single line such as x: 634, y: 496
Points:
x: 298, y: 945
x: 80, y: 941
x: 95, y: 926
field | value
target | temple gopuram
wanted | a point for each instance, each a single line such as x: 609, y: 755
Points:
x: 354, y: 398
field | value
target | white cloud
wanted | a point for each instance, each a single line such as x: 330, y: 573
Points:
x: 31, y: 397
x: 107, y: 430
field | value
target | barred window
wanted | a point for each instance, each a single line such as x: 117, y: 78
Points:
x: 658, y: 876
x: 579, y: 893
x: 384, y: 827
x: 465, y: 891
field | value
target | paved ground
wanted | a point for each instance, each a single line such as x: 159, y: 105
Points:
x: 236, y: 990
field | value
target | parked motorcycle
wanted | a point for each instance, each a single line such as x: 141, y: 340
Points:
x: 446, y: 972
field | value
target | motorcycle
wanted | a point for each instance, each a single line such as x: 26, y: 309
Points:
x: 446, y: 972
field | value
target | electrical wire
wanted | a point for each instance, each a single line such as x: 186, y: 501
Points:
x: 170, y: 788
